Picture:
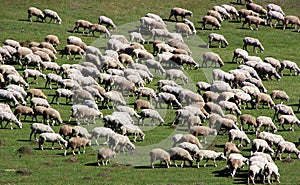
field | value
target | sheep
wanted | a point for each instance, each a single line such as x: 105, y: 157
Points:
x: 266, y: 121
x: 289, y: 65
x: 161, y: 155
x: 136, y: 36
x: 211, y: 20
x: 269, y: 169
x: 167, y: 98
x: 274, y: 62
x: 105, y: 154
x: 217, y: 37
x: 51, y: 137
x: 114, y: 96
x: 238, y: 156
x: 222, y: 11
x: 230, y: 147
x: 32, y: 11
x: 215, y: 14
x: 188, y: 138
x: 255, y: 168
x: 150, y: 113
x: 38, y: 110
x: 265, y: 98
x: 202, y: 130
x: 33, y: 73
x: 48, y: 46
x: 213, y: 57
x: 132, y: 129
x: 202, y: 86
x: 23, y: 110
x: 288, y: 147
x: 101, y: 132
x: 272, y: 139
x: 191, y: 148
x: 220, y: 86
x: 98, y: 28
x: 176, y: 73
x: 16, y: 79
x: 43, y: 55
x: 275, y: 7
x: 107, y: 21
x: 63, y: 93
x: 65, y: 131
x: 294, y: 20
x: 177, y: 153
x: 82, y: 23
x: 243, y: 13
x: 79, y: 131
x: 183, y: 28
x: 127, y: 109
x: 183, y: 114
x: 254, y: 20
x: 13, y: 43
x: 219, y: 74
x: 261, y: 144
x: 289, y: 119
x: 49, y: 52
x: 72, y: 49
x: 9, y: 117
x: 208, y: 154
x: 53, y: 114
x: 176, y: 11
x: 279, y: 94
x: 232, y: 107
x: 234, y: 133
x: 252, y: 42
x: 190, y: 24
x: 77, y: 142
x: 52, y: 39
x: 123, y: 141
x: 84, y: 112
x: 8, y: 96
x: 249, y: 120
x: 231, y: 10
x: 256, y: 8
x: 224, y: 122
x: 197, y: 111
x: 275, y: 15
x: 5, y: 108
x: 210, y: 96
x: 39, y: 128
x: 32, y: 59
x: 52, y: 15
x: 21, y: 53
x: 39, y: 101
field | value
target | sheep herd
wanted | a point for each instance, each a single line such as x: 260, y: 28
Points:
x: 126, y: 71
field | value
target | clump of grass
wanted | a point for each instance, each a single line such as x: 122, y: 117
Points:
x: 72, y: 160
x: 24, y: 171
x: 25, y: 150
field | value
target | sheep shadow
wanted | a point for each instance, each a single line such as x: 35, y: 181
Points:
x: 26, y: 20
x: 91, y: 164
x: 149, y: 167
x: 25, y: 140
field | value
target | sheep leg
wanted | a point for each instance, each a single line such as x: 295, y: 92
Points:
x: 205, y: 163
x: 53, y: 145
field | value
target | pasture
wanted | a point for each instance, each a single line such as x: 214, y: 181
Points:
x: 51, y: 167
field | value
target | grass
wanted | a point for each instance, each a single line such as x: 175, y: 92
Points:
x: 50, y: 167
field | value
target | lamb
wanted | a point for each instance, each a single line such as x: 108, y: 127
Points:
x: 23, y: 110
x: 288, y: 147
x: 33, y: 73
x: 9, y: 117
x: 213, y: 57
x: 177, y: 153
x: 265, y: 98
x: 161, y: 155
x: 269, y: 169
x: 52, y: 39
x: 39, y: 101
x: 105, y: 154
x: 132, y: 129
x: 235, y: 133
x: 77, y: 142
x: 83, y: 24
x: 275, y: 15
x: 51, y: 137
x: 150, y: 113
x: 107, y: 21
x: 63, y: 93
x: 176, y: 11
x: 65, y: 131
x: 39, y: 128
x: 32, y: 11
x: 289, y: 119
x: 215, y: 14
x: 188, y: 138
x: 211, y: 20
x: 183, y: 28
x: 289, y: 65
x: 266, y: 121
x: 123, y: 141
x: 101, y: 132
x: 254, y: 20
x: 209, y: 154
x: 261, y: 144
x: 243, y: 13
x: 230, y: 147
x: 99, y: 28
x: 222, y: 11
x: 294, y: 20
x: 72, y: 49
x: 232, y: 107
x: 252, y: 42
x: 275, y: 7
x: 256, y: 8
x: 52, y: 15
x: 219, y: 38
x: 249, y: 120
x: 203, y: 130
x: 53, y: 114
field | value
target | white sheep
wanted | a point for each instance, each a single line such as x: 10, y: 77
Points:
x: 275, y: 7
x: 52, y: 39
x: 255, y: 168
x: 52, y: 15
x: 241, y: 135
x: 273, y: 61
x: 264, y: 98
x: 288, y: 147
x: 107, y: 21
x: 13, y: 43
x: 191, y: 25
x: 101, y: 132
x: 176, y: 11
x: 214, y: 58
x: 287, y: 64
x: 220, y: 86
x: 203, y: 130
x: 43, y: 55
x: 115, y: 97
x: 270, y: 138
x: 209, y: 154
x: 211, y: 20
x: 177, y: 153
x: 99, y: 28
x: 127, y: 109
x: 32, y: 59
x: 275, y: 15
x: 39, y: 101
x: 254, y: 20
x: 132, y: 129
x: 33, y: 73
x: 183, y: 28
x: 217, y: 37
x: 79, y: 131
x: 279, y: 94
x: 8, y: 96
x: 123, y: 141
x: 82, y: 24
x: 265, y: 121
x: 176, y: 73
x: 187, y: 138
x: 232, y: 107
x: 9, y: 117
x: 222, y: 11
x: 294, y: 20
x: 51, y: 137
x: 215, y: 14
x: 161, y: 155
x: 269, y: 169
x: 105, y: 154
x: 252, y: 42
x: 39, y: 128
x: 63, y: 93
x: 256, y: 8
x: 73, y: 49
x: 243, y: 13
x: 168, y: 99
x: 32, y: 11
x: 86, y: 113
x: 289, y: 119
x: 153, y: 114
x: 262, y: 144
x: 231, y: 10
x: 77, y: 142
x: 136, y: 36
x: 155, y: 65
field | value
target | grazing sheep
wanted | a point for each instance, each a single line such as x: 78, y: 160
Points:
x: 167, y: 98
x: 8, y: 96
x: 48, y: 46
x: 270, y: 169
x: 252, y: 42
x: 230, y: 147
x: 279, y: 94
x: 105, y: 154
x: 83, y: 24
x: 183, y: 28
x: 254, y: 20
x: 203, y: 130
x: 256, y: 8
x: 275, y: 15
x: 208, y: 154
x: 265, y: 99
x: 33, y: 73
x: 72, y: 50
x: 23, y: 110
x: 13, y: 43
x: 275, y: 7
x: 176, y: 73
x: 272, y: 139
x: 231, y: 10
x: 107, y: 21
x: 32, y: 11
x: 123, y: 141
x: 132, y: 129
x: 21, y: 53
x: 52, y: 39
x: 77, y: 142
x: 155, y: 17
x: 289, y: 119
x: 274, y: 62
x: 176, y: 11
x: 191, y: 148
x: 234, y: 133
x: 52, y: 15
x: 43, y: 55
x: 222, y: 11
x: 292, y: 66
x: 294, y: 20
x: 261, y: 144
x: 84, y: 112
x: 39, y: 101
x: 243, y: 13
x: 32, y: 59
x: 188, y: 138
x: 161, y: 155
x: 63, y: 93
x: 53, y: 114
x: 217, y: 37
x: 234, y: 164
x: 39, y: 128
x: 211, y: 20
x: 51, y: 137
x: 101, y: 132
x: 99, y: 28
x: 115, y: 97
x: 38, y: 110
x: 213, y: 57
x: 265, y: 121
x: 191, y: 25
x: 249, y: 120
x: 215, y: 14
x: 150, y: 113
x: 226, y: 123
x: 65, y: 131
x: 135, y: 36
x: 288, y: 147
x: 177, y: 153
x: 232, y: 107
x: 79, y: 131
x: 9, y: 117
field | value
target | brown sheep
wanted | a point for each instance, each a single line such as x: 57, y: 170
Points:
x: 254, y: 20
x: 82, y: 23
x: 176, y: 11
x: 23, y: 110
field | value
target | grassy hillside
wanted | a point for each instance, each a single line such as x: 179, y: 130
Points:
x: 51, y: 167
